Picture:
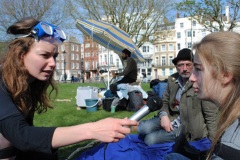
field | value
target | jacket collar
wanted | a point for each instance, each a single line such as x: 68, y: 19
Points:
x: 174, y: 78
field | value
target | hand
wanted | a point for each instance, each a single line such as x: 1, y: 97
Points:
x: 166, y: 124
x: 113, y: 73
x: 112, y: 129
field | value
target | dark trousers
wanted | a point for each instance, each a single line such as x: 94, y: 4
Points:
x: 126, y: 79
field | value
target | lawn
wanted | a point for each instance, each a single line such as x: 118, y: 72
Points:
x: 65, y: 113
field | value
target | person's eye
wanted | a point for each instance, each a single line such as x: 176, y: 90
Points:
x: 45, y: 56
x: 180, y: 65
x: 198, y: 69
x: 55, y: 55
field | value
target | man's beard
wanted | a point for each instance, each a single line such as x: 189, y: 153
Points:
x: 124, y: 58
x: 185, y: 76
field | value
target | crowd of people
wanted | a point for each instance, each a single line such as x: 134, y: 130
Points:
x: 201, y: 101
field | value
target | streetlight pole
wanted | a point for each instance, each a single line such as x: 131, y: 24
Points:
x: 64, y: 66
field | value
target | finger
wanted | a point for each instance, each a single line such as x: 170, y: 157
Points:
x: 127, y: 122
x: 171, y: 127
x: 124, y: 130
x: 116, y: 140
x: 166, y: 129
x: 119, y: 136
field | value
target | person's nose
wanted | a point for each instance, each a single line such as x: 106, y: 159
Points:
x: 192, y: 78
x: 52, y: 62
x: 185, y: 67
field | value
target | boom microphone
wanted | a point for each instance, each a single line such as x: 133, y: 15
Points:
x: 154, y: 103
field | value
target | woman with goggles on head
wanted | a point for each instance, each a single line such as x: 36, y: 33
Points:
x: 26, y: 73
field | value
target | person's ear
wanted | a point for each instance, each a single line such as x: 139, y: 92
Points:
x: 22, y: 57
x: 226, y: 78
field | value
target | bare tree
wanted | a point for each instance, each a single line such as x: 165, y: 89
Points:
x: 13, y: 10
x: 211, y: 13
x: 132, y: 16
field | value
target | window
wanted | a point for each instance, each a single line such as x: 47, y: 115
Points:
x: 194, y: 33
x: 87, y: 45
x: 87, y: 54
x: 170, y: 60
x: 178, y: 46
x: 77, y: 65
x: 77, y: 48
x: 189, y: 33
x: 163, y: 47
x: 170, y: 47
x: 194, y: 23
x: 156, y: 48
x: 163, y: 72
x: 189, y: 45
x: 157, y: 61
x: 178, y: 34
x: 77, y: 56
x: 97, y: 64
x: 72, y: 65
x: 149, y: 71
x: 170, y: 71
x: 62, y: 57
x: 163, y: 60
x: 111, y: 59
x: 105, y: 59
x: 72, y: 56
x: 87, y: 65
x: 145, y: 48
x: 62, y: 47
x: 203, y: 33
x: 72, y: 47
x: 181, y: 25
x: 100, y: 59
x: 57, y: 66
x: 117, y: 62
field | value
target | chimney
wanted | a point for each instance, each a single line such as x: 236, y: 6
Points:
x: 177, y: 15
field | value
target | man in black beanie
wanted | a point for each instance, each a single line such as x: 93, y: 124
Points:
x: 130, y: 71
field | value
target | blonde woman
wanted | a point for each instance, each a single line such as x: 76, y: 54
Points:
x: 216, y: 77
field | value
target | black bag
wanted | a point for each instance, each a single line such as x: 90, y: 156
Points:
x: 107, y: 104
x: 122, y: 104
x: 135, y: 101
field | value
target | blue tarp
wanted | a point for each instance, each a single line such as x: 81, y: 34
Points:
x: 133, y: 147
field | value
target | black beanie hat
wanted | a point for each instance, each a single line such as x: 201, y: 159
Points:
x: 183, y: 54
x: 126, y: 51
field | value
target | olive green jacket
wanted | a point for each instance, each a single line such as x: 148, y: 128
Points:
x: 198, y: 117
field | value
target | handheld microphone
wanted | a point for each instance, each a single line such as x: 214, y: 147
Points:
x: 154, y: 103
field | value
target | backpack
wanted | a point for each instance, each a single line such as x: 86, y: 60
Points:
x: 135, y: 101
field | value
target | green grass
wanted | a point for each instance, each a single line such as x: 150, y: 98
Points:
x: 65, y: 113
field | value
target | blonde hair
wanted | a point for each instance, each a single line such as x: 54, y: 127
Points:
x: 222, y: 51
x: 28, y: 97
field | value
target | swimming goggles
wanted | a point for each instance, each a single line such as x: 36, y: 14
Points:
x: 46, y: 31
x: 43, y: 29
